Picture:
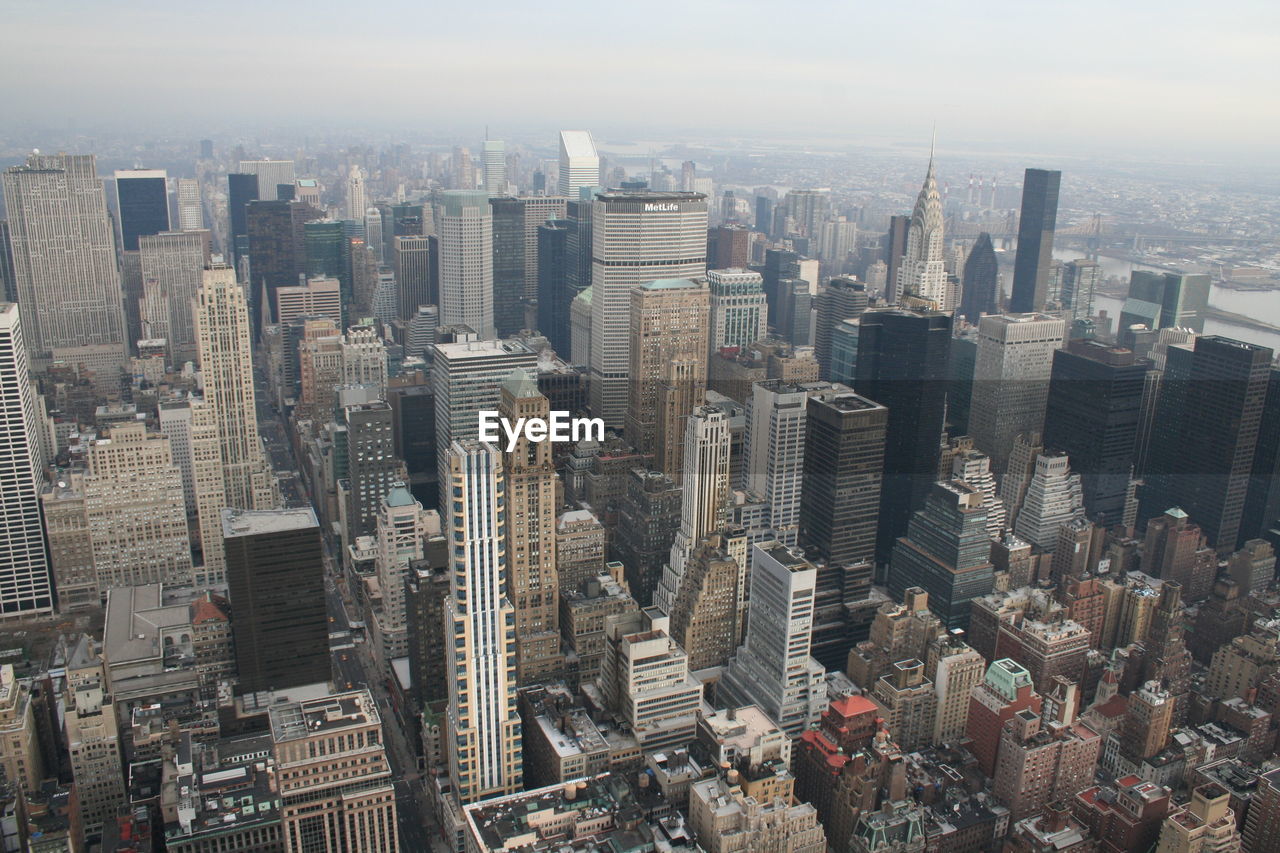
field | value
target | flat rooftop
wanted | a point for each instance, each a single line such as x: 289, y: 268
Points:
x: 251, y: 522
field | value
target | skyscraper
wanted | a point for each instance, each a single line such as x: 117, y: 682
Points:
x: 980, y: 287
x: 226, y: 364
x: 242, y: 188
x: 372, y: 467
x: 64, y: 262
x: 554, y: 290
x: 739, y: 310
x: 25, y: 582
x: 773, y: 447
x: 356, y: 197
x: 1166, y: 300
x: 495, y: 167
x: 277, y: 252
x: 507, y: 215
x: 842, y: 299
x: 772, y: 668
x: 922, y: 278
x: 903, y: 365
x: 173, y: 263
x: 532, y: 585
x: 1035, y: 241
x: 142, y: 197
x: 483, y: 726
x: 466, y: 261
x: 412, y: 263
x: 1204, y: 437
x: 275, y: 576
x: 638, y: 237
x: 668, y: 369
x: 579, y: 162
x: 190, y: 208
x: 1092, y: 414
x: 270, y: 175
x: 1011, y: 380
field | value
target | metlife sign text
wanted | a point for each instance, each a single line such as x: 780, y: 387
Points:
x: 561, y: 426
x: 661, y: 207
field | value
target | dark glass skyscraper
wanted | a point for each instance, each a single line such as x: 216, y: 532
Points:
x: 508, y: 265
x: 895, y: 246
x: 779, y: 264
x: 902, y: 364
x: 1204, y: 436
x: 242, y: 188
x: 275, y: 574
x: 1095, y: 403
x: 143, y: 199
x: 554, y: 292
x: 1035, y: 241
x: 980, y: 286
x: 277, y: 252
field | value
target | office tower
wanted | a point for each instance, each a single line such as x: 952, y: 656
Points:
x: 739, y: 310
x: 578, y: 213
x: 275, y: 576
x: 412, y: 262
x: 70, y: 545
x: 705, y: 506
x: 92, y: 739
x: 646, y: 680
x: 554, y: 290
x: 837, y: 239
x: 842, y: 299
x: 1253, y: 567
x: 336, y: 787
x: 1174, y: 549
x: 402, y: 531
x: 729, y: 247
x: 484, y: 728
x: 779, y: 265
x: 707, y: 610
x: 946, y: 552
x: 142, y: 198
x: 647, y: 523
x: 1205, y: 435
x: 172, y: 265
x: 772, y: 668
x: 136, y: 510
x: 894, y: 245
x: 190, y: 208
x: 325, y: 246
x: 579, y: 162
x: 840, y: 502
x: 8, y: 286
x: 921, y: 277
x: 1035, y: 241
x: 372, y: 467
x: 466, y: 261
x: 226, y: 365
x: 357, y: 201
x: 580, y: 549
x: 270, y: 175
x: 1011, y: 380
x: 20, y: 758
x: 64, y: 256
x: 1054, y: 497
x: 494, y: 164
x: 844, y: 351
x: 980, y: 293
x: 317, y: 297
x: 277, y: 252
x: 907, y: 703
x: 373, y: 236
x: 805, y: 211
x: 507, y: 216
x: 426, y: 595
x: 795, y: 306
x: 1166, y: 300
x: 668, y: 367
x: 531, y: 583
x: 466, y: 376
x: 637, y: 237
x: 1092, y: 414
x: 974, y: 468
x: 902, y: 365
x: 25, y: 583
x: 242, y: 188
x: 1080, y: 279
x: 774, y: 453
x: 1005, y: 690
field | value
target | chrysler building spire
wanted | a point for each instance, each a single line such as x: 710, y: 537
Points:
x: 922, y: 279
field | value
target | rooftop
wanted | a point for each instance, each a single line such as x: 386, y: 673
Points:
x: 297, y: 720
x: 250, y: 522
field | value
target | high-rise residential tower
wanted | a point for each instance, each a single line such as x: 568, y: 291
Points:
x: 26, y: 585
x: 579, y: 162
x: 637, y: 237
x: 64, y: 261
x: 483, y: 726
x: 466, y: 261
x: 1035, y: 241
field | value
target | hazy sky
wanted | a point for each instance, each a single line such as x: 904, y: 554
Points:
x: 1193, y: 77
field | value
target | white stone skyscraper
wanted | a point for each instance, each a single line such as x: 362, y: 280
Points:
x: 64, y: 263
x: 739, y: 308
x: 270, y: 173
x: 226, y: 368
x: 356, y: 205
x: 773, y: 464
x: 922, y: 276
x: 1011, y: 380
x: 466, y: 261
x: 482, y: 722
x: 190, y: 208
x: 373, y: 234
x: 637, y: 237
x: 495, y: 167
x: 1054, y: 497
x: 773, y: 668
x: 25, y: 582
x: 579, y: 162
x: 704, y: 507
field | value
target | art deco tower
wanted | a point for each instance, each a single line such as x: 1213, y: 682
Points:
x: 922, y: 280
